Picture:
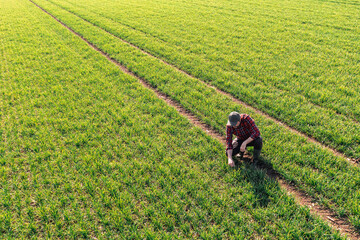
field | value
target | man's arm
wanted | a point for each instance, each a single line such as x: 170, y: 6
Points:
x: 245, y: 143
x: 229, y: 149
x: 255, y: 133
x: 230, y: 159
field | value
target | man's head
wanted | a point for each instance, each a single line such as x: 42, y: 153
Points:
x: 234, y: 118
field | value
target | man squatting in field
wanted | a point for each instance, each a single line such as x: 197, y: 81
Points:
x: 247, y: 134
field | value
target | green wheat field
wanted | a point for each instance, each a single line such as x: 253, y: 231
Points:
x: 87, y: 152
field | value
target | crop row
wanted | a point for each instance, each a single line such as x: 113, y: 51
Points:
x: 87, y: 152
x: 329, y: 178
x: 304, y: 73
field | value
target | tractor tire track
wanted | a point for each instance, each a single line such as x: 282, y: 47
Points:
x: 234, y: 99
x: 301, y: 197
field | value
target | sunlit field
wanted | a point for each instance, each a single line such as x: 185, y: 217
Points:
x: 87, y: 151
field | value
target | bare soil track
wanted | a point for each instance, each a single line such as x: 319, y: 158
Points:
x: 341, y: 224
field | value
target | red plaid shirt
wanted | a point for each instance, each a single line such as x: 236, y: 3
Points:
x: 246, y: 129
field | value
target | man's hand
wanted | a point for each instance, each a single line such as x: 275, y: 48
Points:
x: 245, y: 143
x: 231, y: 162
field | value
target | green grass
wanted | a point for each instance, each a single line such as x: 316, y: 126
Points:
x: 332, y: 180
x: 87, y: 152
x: 290, y: 59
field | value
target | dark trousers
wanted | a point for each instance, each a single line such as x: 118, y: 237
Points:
x: 256, y: 143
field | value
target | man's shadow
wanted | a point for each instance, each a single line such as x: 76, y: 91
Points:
x: 261, y: 175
